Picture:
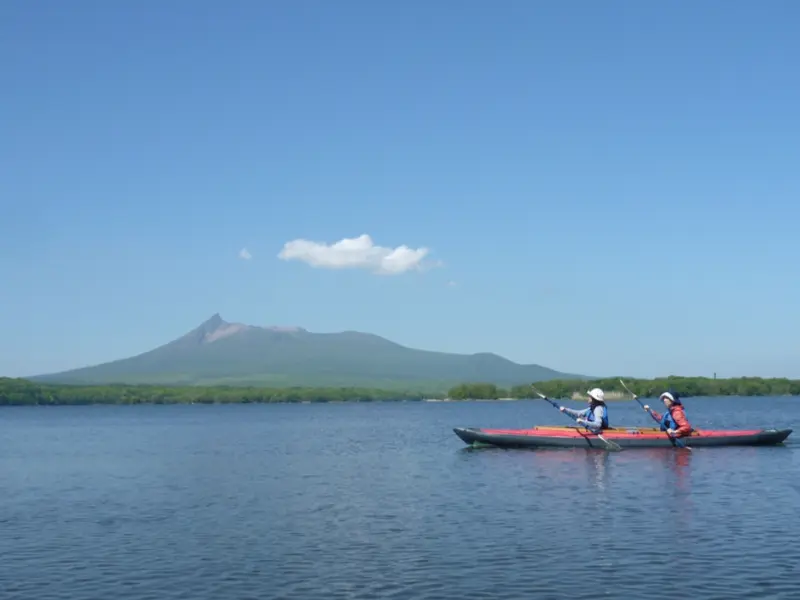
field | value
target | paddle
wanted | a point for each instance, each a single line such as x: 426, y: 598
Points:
x: 609, y: 444
x: 675, y: 441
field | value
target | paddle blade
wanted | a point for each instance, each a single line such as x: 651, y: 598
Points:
x: 612, y: 446
x: 681, y: 444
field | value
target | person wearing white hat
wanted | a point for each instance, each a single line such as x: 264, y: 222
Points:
x: 595, y: 417
x: 674, y: 420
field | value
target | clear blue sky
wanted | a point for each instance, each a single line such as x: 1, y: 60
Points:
x: 610, y: 187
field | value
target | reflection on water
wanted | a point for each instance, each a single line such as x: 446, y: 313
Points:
x: 598, y: 462
x: 673, y: 463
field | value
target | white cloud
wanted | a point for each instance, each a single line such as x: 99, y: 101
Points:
x: 355, y: 253
x: 244, y: 254
x: 452, y: 283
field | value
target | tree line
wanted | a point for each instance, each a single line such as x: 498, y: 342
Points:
x: 23, y: 392
x: 644, y: 388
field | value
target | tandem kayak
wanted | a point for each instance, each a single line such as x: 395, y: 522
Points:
x: 627, y: 437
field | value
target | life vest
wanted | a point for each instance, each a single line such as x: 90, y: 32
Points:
x: 667, y: 422
x: 590, y: 418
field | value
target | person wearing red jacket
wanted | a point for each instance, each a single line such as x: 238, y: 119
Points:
x: 674, y: 420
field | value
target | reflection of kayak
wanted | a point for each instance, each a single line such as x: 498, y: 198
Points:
x: 627, y: 437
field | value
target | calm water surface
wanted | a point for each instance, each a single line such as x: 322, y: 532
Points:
x: 384, y: 501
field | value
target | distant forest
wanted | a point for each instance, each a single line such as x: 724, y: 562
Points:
x: 644, y: 388
x: 24, y: 392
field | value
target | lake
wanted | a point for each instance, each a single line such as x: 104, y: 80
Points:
x: 368, y: 501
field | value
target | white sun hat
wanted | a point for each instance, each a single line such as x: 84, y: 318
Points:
x: 597, y: 394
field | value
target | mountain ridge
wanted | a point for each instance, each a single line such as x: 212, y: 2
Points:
x: 221, y: 352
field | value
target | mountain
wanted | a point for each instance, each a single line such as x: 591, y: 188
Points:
x: 222, y: 353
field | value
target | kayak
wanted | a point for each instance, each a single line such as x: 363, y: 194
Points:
x: 645, y: 437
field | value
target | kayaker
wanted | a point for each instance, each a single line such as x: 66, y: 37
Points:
x: 674, y: 420
x: 595, y: 417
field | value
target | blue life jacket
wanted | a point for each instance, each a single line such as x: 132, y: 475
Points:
x: 667, y: 422
x: 590, y: 418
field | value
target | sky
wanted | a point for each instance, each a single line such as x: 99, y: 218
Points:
x: 597, y: 187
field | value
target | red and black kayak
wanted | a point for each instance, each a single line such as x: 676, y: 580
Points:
x: 553, y: 436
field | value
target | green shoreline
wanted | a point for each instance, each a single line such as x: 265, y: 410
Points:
x: 22, y: 392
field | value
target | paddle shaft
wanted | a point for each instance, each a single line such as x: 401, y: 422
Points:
x: 673, y: 439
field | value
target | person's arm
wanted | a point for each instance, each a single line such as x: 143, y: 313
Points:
x: 575, y: 413
x: 684, y: 428
x: 652, y: 412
